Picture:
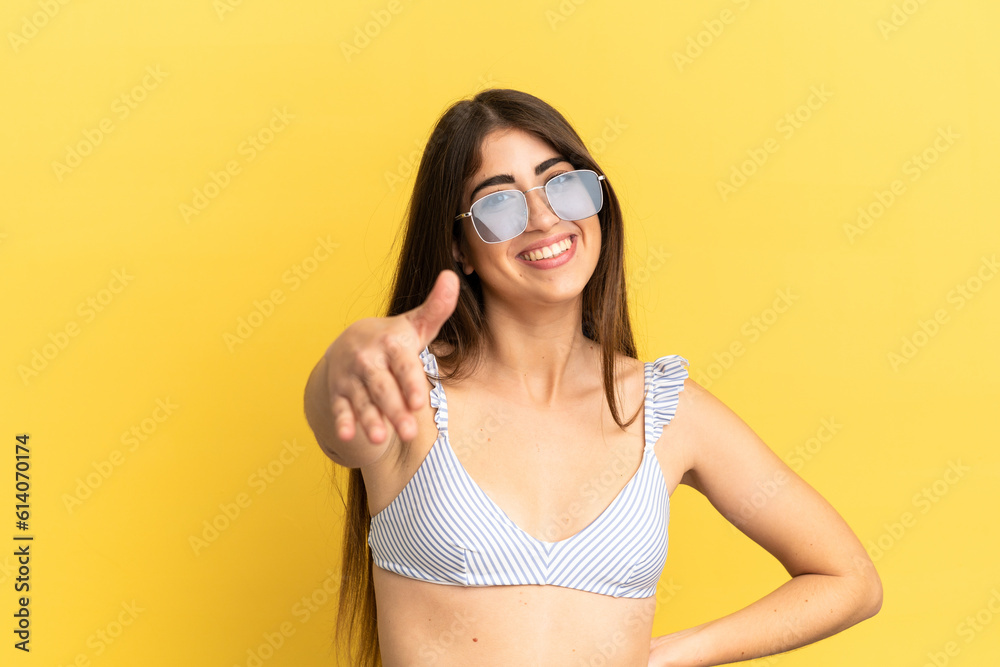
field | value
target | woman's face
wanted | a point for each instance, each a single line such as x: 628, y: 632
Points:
x: 514, y: 159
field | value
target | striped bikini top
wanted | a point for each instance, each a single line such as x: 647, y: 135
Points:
x: 443, y: 528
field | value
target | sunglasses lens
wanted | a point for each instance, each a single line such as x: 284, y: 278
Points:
x: 503, y: 215
x: 575, y: 195
x: 500, y: 216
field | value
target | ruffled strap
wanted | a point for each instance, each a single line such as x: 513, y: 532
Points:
x: 668, y: 375
x: 438, y: 399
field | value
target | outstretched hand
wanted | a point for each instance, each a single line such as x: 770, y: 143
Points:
x: 373, y: 367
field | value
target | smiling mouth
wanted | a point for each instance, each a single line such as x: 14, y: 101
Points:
x: 548, y: 252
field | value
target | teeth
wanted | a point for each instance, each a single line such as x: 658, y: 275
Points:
x: 549, y: 251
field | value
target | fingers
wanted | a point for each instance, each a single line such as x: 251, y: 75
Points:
x: 377, y: 397
x: 368, y: 415
x: 388, y: 394
x: 343, y: 419
x: 375, y: 375
x: 428, y: 317
x: 408, y: 372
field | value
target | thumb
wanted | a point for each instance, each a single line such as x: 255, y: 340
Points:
x: 428, y: 317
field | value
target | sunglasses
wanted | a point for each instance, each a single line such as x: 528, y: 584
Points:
x: 503, y: 215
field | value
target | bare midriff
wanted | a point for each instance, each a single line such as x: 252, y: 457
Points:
x: 422, y: 623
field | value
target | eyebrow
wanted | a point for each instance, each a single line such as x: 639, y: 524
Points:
x: 504, y: 179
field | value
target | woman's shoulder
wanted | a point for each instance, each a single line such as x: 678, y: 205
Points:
x: 660, y: 364
x: 626, y: 365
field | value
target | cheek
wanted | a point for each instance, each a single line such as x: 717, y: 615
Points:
x: 497, y: 255
x: 486, y: 256
x: 594, y: 238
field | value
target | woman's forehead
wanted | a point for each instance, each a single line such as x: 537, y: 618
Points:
x: 514, y: 153
x: 511, y: 143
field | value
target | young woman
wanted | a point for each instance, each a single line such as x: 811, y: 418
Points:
x: 501, y: 509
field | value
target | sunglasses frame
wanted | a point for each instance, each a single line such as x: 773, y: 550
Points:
x: 524, y: 194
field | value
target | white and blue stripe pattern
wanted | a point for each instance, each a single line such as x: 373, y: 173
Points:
x: 444, y: 529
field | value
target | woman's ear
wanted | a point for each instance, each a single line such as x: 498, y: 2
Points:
x: 460, y: 258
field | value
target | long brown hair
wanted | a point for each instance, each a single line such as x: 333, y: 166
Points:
x: 451, y: 157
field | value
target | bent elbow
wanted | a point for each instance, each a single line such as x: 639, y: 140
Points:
x: 874, y: 596
x: 869, y: 595
x: 865, y: 586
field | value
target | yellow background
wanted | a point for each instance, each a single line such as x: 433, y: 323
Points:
x: 339, y: 171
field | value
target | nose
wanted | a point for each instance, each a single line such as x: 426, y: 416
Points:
x: 540, y: 213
